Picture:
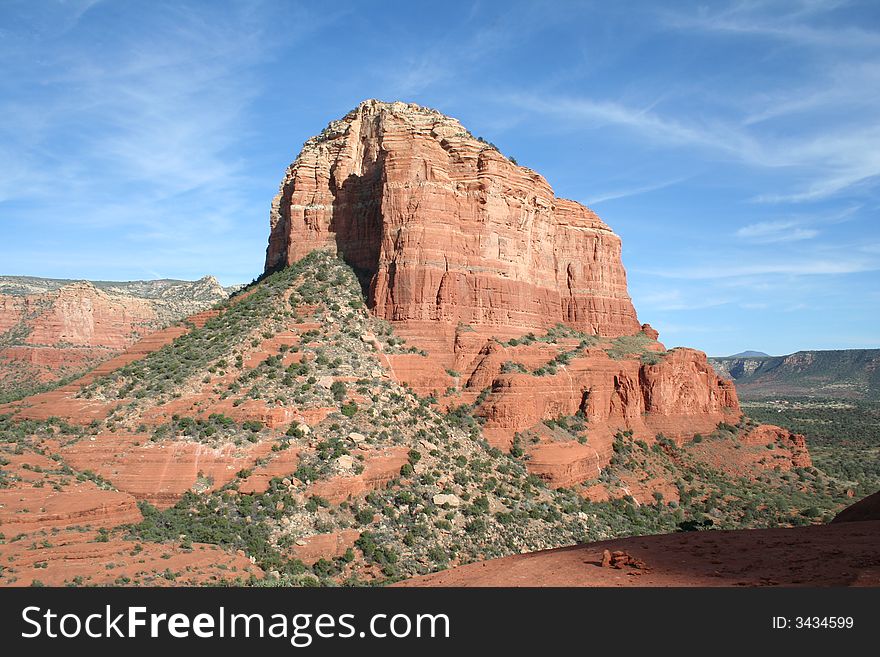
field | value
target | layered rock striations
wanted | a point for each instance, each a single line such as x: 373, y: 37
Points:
x: 76, y: 315
x: 50, y: 329
x: 460, y: 247
x: 679, y: 396
x: 444, y: 228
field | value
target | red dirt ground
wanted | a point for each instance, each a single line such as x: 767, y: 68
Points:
x: 844, y: 554
x: 66, y: 557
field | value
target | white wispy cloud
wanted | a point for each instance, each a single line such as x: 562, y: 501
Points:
x: 450, y: 57
x: 126, y: 130
x: 49, y: 18
x: 634, y: 191
x: 767, y: 268
x: 161, y: 111
x: 792, y: 22
x: 851, y: 82
x: 776, y: 231
x: 138, y: 136
x: 835, y: 161
x: 597, y: 113
x: 833, y: 92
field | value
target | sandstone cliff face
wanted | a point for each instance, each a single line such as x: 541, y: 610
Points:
x: 50, y: 329
x: 81, y: 315
x: 680, y: 396
x: 793, y: 444
x: 86, y: 314
x: 444, y: 228
x: 460, y: 247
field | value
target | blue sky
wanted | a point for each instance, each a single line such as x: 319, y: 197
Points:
x: 735, y: 147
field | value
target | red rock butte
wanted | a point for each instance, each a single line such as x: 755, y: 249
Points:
x: 459, y: 247
x: 443, y: 228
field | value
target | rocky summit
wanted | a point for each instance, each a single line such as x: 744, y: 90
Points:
x: 439, y: 365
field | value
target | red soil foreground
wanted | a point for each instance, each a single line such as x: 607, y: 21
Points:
x: 844, y: 554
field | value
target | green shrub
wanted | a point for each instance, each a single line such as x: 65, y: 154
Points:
x: 338, y: 390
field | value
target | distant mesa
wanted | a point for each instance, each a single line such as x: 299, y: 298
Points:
x: 749, y: 354
x: 840, y: 373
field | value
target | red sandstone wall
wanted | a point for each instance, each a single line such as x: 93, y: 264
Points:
x: 446, y: 228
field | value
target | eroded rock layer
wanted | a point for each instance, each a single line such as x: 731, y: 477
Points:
x: 52, y: 329
x: 443, y: 227
x: 462, y: 248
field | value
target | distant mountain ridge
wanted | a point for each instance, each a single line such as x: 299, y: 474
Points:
x: 841, y: 373
x: 204, y: 288
x: 51, y: 328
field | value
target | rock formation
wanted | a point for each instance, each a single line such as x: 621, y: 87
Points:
x: 277, y: 421
x: 79, y: 315
x: 459, y: 246
x: 679, y: 396
x: 51, y: 329
x: 444, y: 228
x: 794, y: 444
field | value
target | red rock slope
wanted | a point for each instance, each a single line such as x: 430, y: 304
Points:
x: 51, y: 329
x: 819, y: 555
x: 60, y: 530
